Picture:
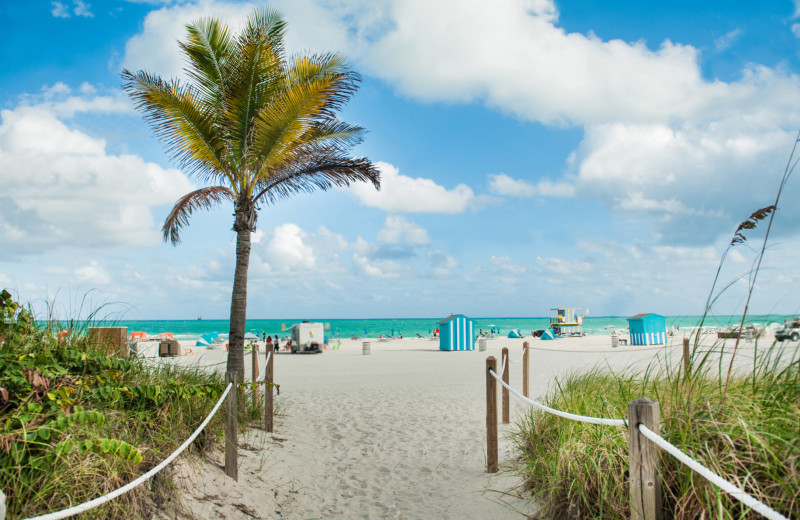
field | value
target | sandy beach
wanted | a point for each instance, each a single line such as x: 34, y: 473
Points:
x: 398, y: 433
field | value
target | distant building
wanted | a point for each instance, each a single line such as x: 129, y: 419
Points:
x: 648, y: 329
x: 456, y: 333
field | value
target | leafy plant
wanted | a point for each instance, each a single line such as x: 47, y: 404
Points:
x: 75, y: 424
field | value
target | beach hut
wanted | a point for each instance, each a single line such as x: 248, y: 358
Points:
x: 456, y: 333
x: 648, y: 329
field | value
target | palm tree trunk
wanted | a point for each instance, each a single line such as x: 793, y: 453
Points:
x: 245, y: 221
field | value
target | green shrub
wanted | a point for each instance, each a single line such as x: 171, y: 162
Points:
x: 76, y: 424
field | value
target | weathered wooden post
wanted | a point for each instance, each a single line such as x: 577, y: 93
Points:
x: 109, y: 340
x: 525, y: 360
x: 491, y: 416
x: 232, y: 427
x: 687, y: 362
x: 268, y: 403
x: 254, y: 358
x: 645, y: 481
x: 506, y: 397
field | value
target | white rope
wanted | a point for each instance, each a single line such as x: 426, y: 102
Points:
x: 503, y: 365
x: 733, y: 490
x: 263, y: 374
x: 518, y: 360
x: 86, y: 506
x: 565, y: 415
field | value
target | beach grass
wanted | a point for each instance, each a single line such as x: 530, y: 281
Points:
x: 76, y: 424
x: 750, y: 436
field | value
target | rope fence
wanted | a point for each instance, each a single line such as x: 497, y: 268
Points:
x: 644, y: 419
x: 231, y: 437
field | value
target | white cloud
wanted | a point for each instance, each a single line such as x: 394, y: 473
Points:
x: 61, y: 100
x: 402, y: 194
x: 60, y: 187
x: 796, y: 29
x: 563, y: 267
x: 79, y: 8
x: 721, y: 171
x: 92, y: 275
x: 377, y: 268
x: 5, y: 281
x: 727, y: 40
x: 82, y: 8
x: 397, y: 230
x: 502, y: 184
x: 504, y: 263
x: 287, y: 249
x: 442, y: 264
x: 59, y: 10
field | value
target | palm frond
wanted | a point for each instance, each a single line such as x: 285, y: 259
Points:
x: 204, y: 198
x: 335, y: 133
x: 306, y: 69
x: 179, y: 118
x: 207, y: 51
x: 304, y: 111
x: 258, y: 63
x: 317, y: 169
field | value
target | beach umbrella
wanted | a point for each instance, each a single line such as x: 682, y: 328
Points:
x: 514, y: 333
x: 250, y: 337
x: 207, y: 339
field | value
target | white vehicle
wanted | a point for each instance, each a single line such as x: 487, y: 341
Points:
x: 307, y: 338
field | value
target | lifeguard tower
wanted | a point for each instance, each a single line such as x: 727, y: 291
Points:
x: 568, y: 321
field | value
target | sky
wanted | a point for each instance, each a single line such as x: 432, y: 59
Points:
x: 534, y: 154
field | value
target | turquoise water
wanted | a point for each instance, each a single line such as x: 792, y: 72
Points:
x: 192, y: 329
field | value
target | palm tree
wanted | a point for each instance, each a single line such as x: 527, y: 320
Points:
x: 253, y: 127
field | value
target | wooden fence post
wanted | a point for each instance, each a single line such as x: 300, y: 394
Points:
x: 506, y: 397
x: 645, y: 480
x: 687, y: 365
x: 525, y: 360
x: 254, y: 358
x: 268, y: 403
x: 491, y: 416
x: 232, y: 427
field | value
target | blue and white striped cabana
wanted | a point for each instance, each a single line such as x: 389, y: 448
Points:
x: 456, y: 333
x: 648, y: 329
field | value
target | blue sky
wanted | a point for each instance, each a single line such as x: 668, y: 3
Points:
x: 534, y: 154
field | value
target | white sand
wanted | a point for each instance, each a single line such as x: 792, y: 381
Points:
x: 399, y: 433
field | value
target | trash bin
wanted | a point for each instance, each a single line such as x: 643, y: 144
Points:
x: 614, y: 340
x: 482, y: 345
x: 365, y: 348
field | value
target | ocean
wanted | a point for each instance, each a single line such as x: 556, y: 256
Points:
x: 373, y: 328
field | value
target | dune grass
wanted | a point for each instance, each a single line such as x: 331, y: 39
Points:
x: 76, y: 424
x: 750, y: 435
